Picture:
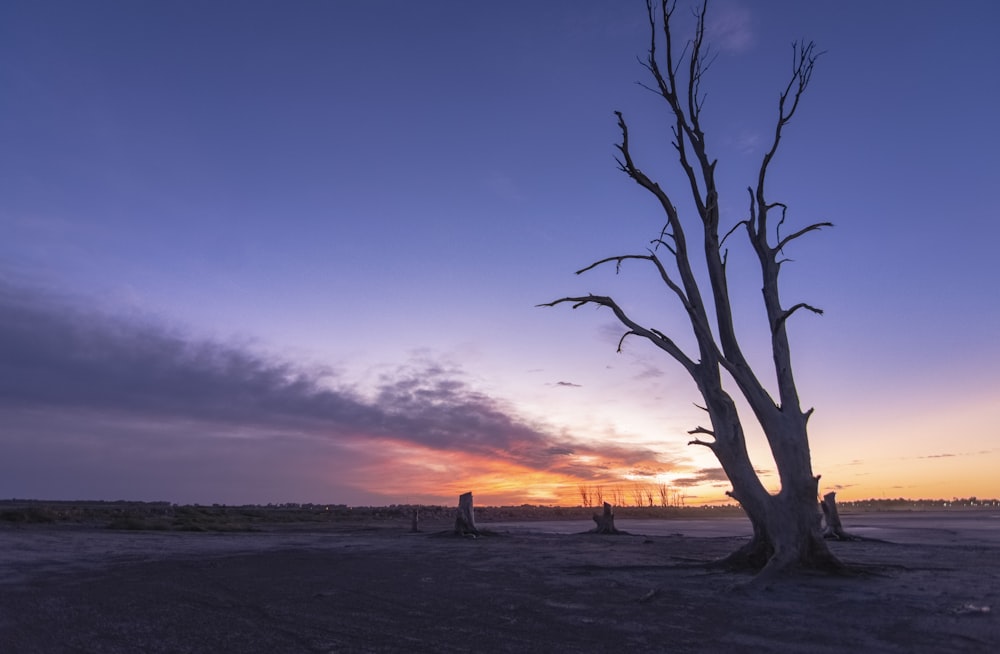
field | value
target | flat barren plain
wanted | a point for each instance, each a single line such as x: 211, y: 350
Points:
x: 923, y: 582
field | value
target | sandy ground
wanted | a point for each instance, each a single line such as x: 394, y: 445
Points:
x: 933, y: 586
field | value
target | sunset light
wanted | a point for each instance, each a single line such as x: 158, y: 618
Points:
x: 264, y: 253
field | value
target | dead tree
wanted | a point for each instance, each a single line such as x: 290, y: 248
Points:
x: 664, y: 492
x: 834, y: 529
x: 606, y: 522
x: 786, y: 524
x: 638, y: 496
x: 465, y: 519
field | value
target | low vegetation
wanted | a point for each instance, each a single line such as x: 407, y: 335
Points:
x: 164, y: 516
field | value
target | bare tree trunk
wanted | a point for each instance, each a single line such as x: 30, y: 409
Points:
x: 834, y: 529
x: 606, y: 522
x: 416, y: 519
x: 786, y: 526
x: 465, y: 520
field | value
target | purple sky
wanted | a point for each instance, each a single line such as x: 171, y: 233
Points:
x: 267, y: 251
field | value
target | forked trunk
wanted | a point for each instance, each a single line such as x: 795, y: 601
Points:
x: 787, y: 531
x: 787, y: 534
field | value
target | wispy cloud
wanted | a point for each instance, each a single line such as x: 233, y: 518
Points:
x: 948, y: 455
x: 705, y: 476
x: 649, y: 371
x: 85, y: 380
x: 747, y: 142
x: 730, y: 27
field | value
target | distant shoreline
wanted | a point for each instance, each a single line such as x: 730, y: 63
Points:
x: 164, y: 516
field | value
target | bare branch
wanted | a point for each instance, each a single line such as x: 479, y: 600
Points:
x: 651, y: 64
x: 751, y: 222
x: 802, y: 232
x: 665, y: 233
x: 657, y: 242
x: 784, y: 211
x: 734, y: 228
x: 655, y: 337
x: 804, y: 58
x: 647, y: 86
x: 698, y: 441
x: 787, y: 314
x: 618, y: 262
x: 687, y: 290
x: 697, y: 68
x: 664, y: 275
x: 658, y: 333
x: 622, y: 339
x: 701, y: 430
x: 685, y: 130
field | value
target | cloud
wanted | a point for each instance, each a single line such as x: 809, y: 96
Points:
x: 730, y: 27
x: 649, y: 371
x: 114, y: 395
x: 746, y: 142
x: 58, y: 355
x: 948, y: 455
x: 568, y: 384
x: 704, y: 476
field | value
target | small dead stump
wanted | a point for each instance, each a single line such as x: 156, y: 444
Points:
x: 465, y: 521
x: 606, y: 522
x: 834, y: 529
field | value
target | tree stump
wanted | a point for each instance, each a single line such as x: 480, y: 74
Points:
x: 465, y: 521
x: 606, y: 522
x: 833, y: 527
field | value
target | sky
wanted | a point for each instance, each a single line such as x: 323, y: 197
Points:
x: 261, y: 252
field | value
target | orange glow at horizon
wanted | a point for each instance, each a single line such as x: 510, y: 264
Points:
x: 416, y: 474
x: 893, y: 450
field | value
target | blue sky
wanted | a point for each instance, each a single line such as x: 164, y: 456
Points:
x: 260, y: 251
